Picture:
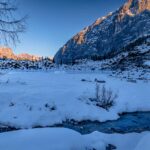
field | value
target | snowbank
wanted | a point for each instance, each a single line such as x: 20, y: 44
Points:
x: 65, y: 139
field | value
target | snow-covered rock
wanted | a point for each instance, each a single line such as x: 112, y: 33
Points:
x: 11, y: 64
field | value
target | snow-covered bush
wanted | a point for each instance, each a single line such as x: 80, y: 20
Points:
x: 104, y: 98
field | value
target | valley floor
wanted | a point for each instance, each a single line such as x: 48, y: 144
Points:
x: 46, y: 98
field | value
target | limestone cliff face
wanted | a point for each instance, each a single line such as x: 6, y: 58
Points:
x: 8, y: 54
x: 25, y: 56
x: 109, y: 33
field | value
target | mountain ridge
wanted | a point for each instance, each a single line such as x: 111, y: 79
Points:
x: 7, y: 53
x: 109, y: 33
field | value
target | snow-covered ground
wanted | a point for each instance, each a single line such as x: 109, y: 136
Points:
x: 30, y: 99
x: 66, y: 139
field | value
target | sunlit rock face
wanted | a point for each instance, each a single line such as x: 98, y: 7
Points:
x: 7, y: 53
x: 25, y: 56
x: 134, y: 7
x: 108, y: 34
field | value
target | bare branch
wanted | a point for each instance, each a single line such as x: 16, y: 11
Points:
x: 104, y: 98
x: 10, y: 26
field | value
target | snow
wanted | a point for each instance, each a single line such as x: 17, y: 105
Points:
x: 41, y: 139
x: 38, y: 98
x: 144, y: 142
x: 66, y: 139
x: 147, y: 63
x: 143, y: 48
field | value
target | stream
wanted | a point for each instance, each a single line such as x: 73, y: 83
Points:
x: 127, y: 123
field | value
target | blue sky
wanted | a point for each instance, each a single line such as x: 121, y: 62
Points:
x: 52, y: 23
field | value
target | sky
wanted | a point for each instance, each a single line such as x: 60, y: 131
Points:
x: 52, y: 23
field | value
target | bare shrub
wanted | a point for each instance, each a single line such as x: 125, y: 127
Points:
x: 104, y: 98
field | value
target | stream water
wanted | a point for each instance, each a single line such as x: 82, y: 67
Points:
x: 127, y: 123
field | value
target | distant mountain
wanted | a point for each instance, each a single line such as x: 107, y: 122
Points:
x: 7, y: 53
x: 109, y: 34
x: 25, y: 56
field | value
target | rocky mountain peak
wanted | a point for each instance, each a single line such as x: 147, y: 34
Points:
x: 25, y: 56
x: 8, y: 53
x: 134, y: 7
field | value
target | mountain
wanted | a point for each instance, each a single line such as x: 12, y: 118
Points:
x: 108, y: 35
x: 7, y: 53
x: 25, y: 56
